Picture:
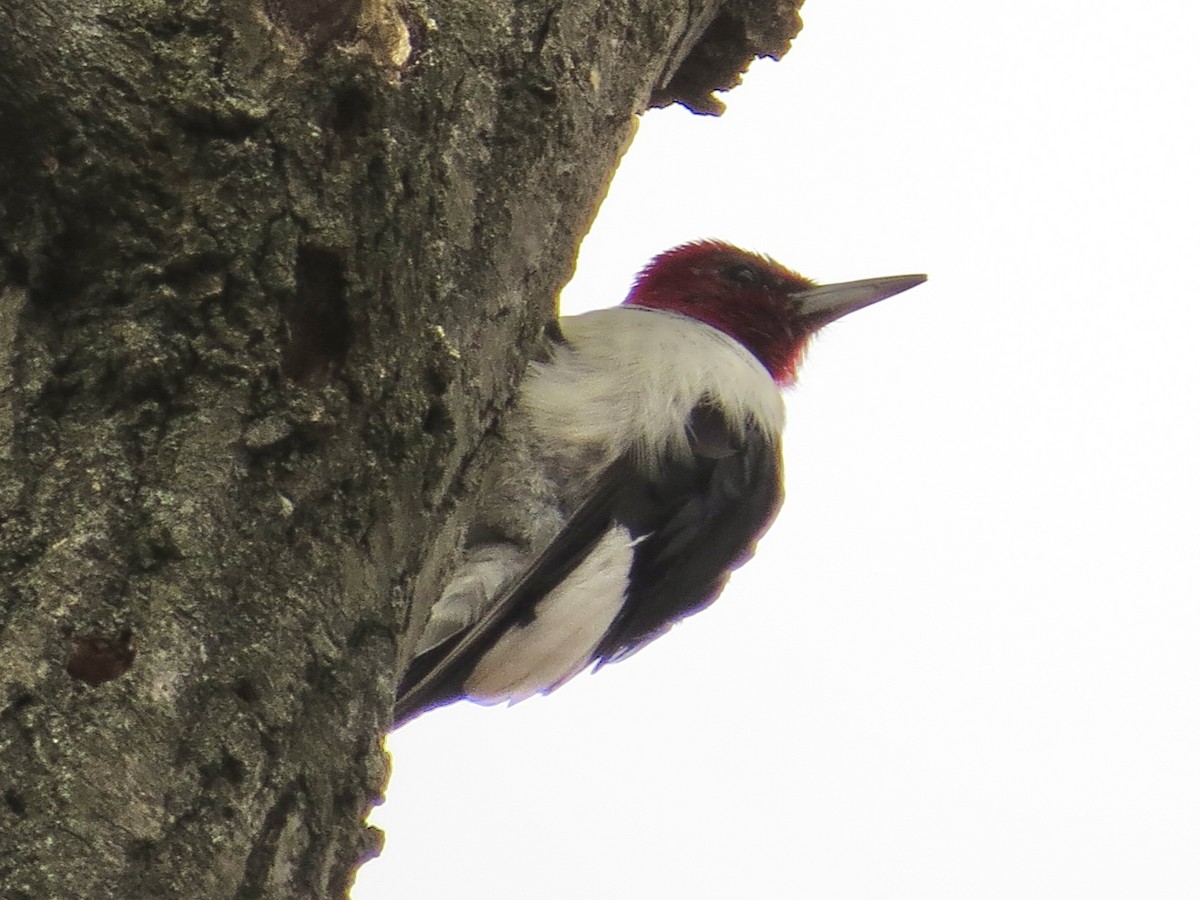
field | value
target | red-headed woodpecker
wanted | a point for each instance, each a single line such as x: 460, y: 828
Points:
x: 638, y: 468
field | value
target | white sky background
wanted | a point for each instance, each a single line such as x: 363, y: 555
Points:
x: 966, y: 661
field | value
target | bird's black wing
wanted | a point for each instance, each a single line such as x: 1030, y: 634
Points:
x: 701, y: 518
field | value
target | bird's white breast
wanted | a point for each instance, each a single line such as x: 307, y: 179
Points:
x: 628, y: 379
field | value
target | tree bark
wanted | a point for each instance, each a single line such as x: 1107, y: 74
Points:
x: 268, y: 276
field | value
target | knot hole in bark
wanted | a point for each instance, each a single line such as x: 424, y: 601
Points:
x: 317, y: 321
x: 97, y: 658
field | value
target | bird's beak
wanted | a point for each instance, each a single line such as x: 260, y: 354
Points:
x: 823, y: 303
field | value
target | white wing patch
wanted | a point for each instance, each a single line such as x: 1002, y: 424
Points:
x: 567, y: 626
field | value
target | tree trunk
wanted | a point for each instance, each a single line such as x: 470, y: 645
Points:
x: 268, y: 275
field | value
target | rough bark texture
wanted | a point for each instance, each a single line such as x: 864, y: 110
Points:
x: 268, y: 274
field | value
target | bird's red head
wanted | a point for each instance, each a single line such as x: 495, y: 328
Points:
x: 766, y: 307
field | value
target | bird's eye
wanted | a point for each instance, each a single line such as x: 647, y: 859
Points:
x: 741, y: 274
